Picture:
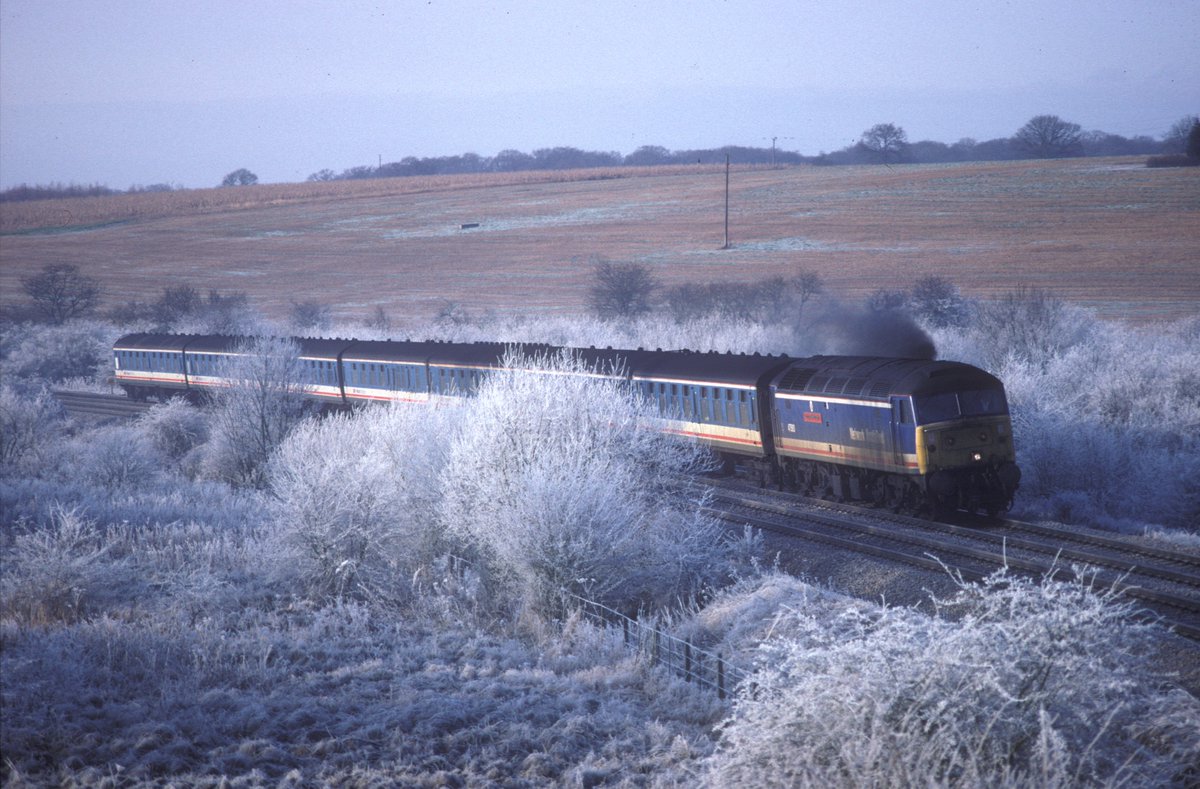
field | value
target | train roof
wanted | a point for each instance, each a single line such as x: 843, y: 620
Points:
x: 875, y: 377
x: 222, y: 343
x: 718, y: 368
x: 148, y: 341
x: 849, y: 376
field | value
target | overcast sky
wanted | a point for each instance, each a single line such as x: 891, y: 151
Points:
x: 124, y: 92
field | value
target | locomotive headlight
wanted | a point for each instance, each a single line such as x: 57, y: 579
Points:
x: 977, y: 457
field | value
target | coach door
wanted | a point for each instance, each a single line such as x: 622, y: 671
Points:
x: 903, y: 427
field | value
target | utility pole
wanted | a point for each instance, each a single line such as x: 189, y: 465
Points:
x: 726, y: 245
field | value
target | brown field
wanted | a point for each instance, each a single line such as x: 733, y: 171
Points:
x: 1108, y: 233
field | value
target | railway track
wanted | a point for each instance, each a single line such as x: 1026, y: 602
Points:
x: 1165, y: 584
x: 100, y: 405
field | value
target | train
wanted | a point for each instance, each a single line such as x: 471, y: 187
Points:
x: 914, y: 435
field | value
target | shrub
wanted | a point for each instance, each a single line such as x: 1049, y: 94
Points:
x: 938, y: 302
x: 175, y: 428
x: 29, y: 424
x: 254, y: 415
x: 113, y: 459
x: 1173, y: 160
x: 356, y: 497
x: 57, y: 353
x: 1035, y: 684
x: 54, y: 574
x: 1030, y: 325
x: 555, y: 483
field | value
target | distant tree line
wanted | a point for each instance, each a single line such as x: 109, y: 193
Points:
x: 1042, y: 137
x: 53, y: 191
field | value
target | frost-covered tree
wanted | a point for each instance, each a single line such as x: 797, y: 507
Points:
x: 1031, y: 325
x: 1029, y: 684
x: 114, y: 460
x: 175, y: 428
x: 78, y: 349
x: 28, y: 424
x: 939, y: 302
x: 356, y: 497
x: 559, y: 484
x: 251, y: 417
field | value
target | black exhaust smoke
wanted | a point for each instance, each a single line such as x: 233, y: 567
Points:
x: 856, y: 331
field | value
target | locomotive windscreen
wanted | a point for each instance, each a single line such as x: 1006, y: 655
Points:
x: 954, y: 405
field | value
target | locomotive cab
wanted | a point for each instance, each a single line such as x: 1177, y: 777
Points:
x: 964, y: 447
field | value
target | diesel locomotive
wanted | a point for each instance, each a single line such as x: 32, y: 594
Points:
x: 908, y: 434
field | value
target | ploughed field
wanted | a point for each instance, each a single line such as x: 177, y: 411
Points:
x: 1107, y: 233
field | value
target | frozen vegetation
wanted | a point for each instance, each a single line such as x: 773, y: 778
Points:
x: 377, y: 598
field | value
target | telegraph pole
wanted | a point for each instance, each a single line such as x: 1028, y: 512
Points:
x: 726, y: 245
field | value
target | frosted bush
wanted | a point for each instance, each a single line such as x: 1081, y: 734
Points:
x: 556, y: 480
x: 175, y: 428
x: 1030, y: 325
x: 356, y: 495
x: 57, y: 573
x: 166, y: 501
x: 113, y: 459
x: 56, y: 353
x: 1034, y: 684
x: 252, y: 417
x: 30, y: 423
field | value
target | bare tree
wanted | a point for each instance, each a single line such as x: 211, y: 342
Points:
x: 1049, y: 137
x: 264, y: 399
x: 310, y: 315
x: 620, y: 290
x: 379, y: 319
x: 1175, y: 140
x: 240, y: 177
x: 938, y: 300
x: 885, y: 141
x: 60, y: 292
x: 805, y: 285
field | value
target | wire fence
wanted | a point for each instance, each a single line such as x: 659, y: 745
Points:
x: 709, y: 669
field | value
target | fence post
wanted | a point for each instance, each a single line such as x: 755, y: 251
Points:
x: 687, y: 659
x: 720, y: 677
x: 625, y: 628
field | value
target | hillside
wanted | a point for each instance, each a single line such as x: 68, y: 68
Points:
x: 1107, y: 233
